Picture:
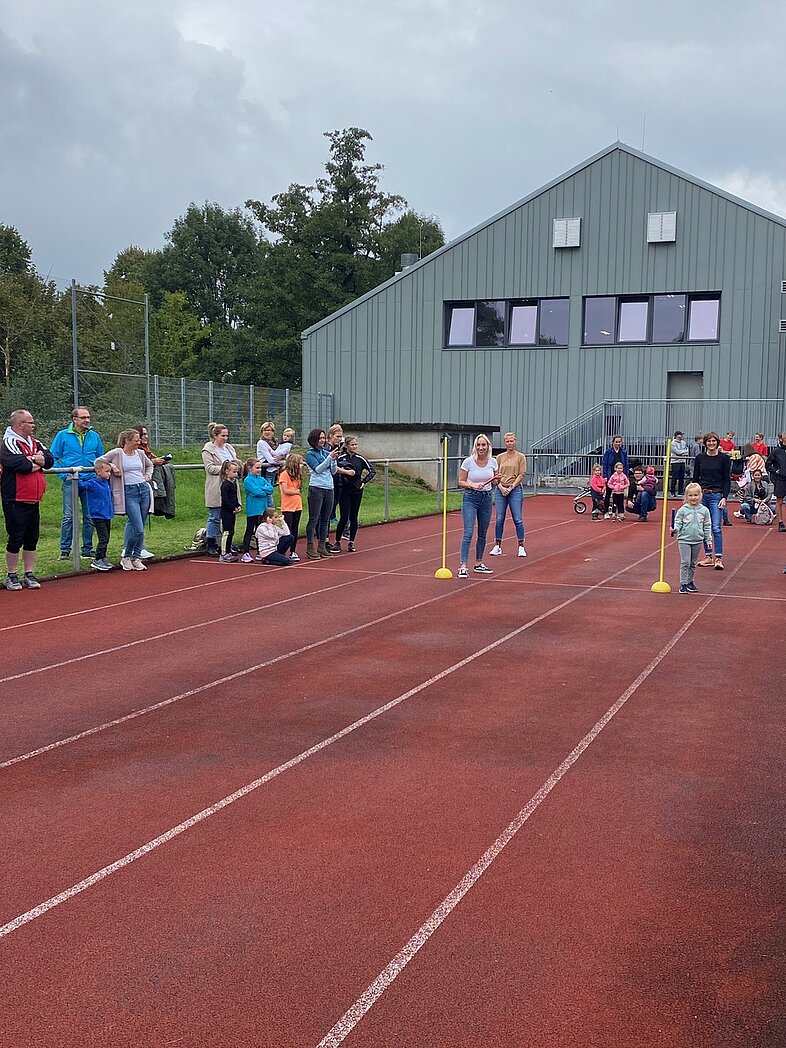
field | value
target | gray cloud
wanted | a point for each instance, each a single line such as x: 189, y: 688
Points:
x: 114, y: 120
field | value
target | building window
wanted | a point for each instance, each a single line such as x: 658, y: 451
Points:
x: 553, y: 322
x: 634, y: 317
x: 703, y: 319
x: 523, y: 323
x: 497, y: 323
x: 600, y: 319
x: 490, y: 326
x: 668, y: 318
x: 654, y: 319
x: 661, y: 227
x: 461, y: 324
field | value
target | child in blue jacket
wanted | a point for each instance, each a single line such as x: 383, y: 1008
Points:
x: 95, y: 486
x: 259, y: 495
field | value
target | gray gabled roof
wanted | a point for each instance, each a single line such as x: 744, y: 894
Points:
x: 621, y: 147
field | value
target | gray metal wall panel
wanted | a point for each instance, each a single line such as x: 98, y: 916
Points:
x: 384, y: 360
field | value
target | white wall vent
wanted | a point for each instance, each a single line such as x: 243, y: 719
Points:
x: 661, y: 227
x: 782, y: 327
x: 567, y: 232
x: 783, y: 287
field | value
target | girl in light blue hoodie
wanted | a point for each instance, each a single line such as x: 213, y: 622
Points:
x: 692, y: 526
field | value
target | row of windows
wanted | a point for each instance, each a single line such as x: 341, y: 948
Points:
x: 608, y: 320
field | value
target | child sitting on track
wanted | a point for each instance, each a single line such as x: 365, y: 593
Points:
x: 274, y: 541
x: 259, y: 495
x: 692, y: 526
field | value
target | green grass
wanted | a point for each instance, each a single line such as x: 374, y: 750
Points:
x: 407, y: 498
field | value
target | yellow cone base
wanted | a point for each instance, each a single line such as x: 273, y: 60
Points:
x: 443, y: 573
x: 660, y: 587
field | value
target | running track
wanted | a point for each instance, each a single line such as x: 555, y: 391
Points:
x: 348, y: 803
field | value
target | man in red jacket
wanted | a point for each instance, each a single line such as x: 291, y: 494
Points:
x: 23, y: 484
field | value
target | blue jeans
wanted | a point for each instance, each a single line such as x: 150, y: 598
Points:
x: 213, y: 526
x: 475, y: 507
x: 513, y: 501
x: 67, y: 522
x: 137, y: 505
x: 711, y: 499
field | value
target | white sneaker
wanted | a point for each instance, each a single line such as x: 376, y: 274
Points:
x: 608, y: 516
x: 496, y: 551
x: 294, y: 556
x: 522, y: 552
x: 125, y: 564
x: 146, y: 554
x: 137, y: 565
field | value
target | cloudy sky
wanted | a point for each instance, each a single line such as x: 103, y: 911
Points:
x: 114, y: 117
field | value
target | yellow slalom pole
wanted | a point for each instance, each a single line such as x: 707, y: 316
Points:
x: 660, y: 586
x: 444, y: 572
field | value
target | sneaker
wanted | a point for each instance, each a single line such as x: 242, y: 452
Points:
x: 692, y: 587
x: 65, y: 554
x: 30, y: 581
x: 146, y: 554
x: 138, y: 565
x: 224, y: 558
x: 125, y: 564
x: 781, y: 526
x: 684, y: 589
x: 12, y: 583
x: 102, y: 565
x: 351, y: 547
x: 707, y: 562
x: 481, y: 569
x: 294, y: 556
x: 727, y: 524
x: 495, y: 551
x: 246, y: 559
x: 88, y: 554
x: 333, y: 547
x: 738, y: 514
x: 608, y: 516
x: 522, y: 552
x: 462, y: 574
x: 718, y: 564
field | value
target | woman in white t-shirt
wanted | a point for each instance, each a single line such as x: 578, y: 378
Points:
x: 477, y: 476
x: 130, y: 483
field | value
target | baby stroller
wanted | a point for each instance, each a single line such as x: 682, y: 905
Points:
x: 579, y: 505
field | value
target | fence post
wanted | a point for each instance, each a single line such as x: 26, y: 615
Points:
x: 182, y: 412
x: 156, y: 409
x: 251, y: 440
x: 387, y: 491
x: 286, y: 409
x: 210, y: 400
x: 76, y: 529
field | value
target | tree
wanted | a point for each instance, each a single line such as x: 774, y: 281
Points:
x: 15, y: 252
x: 178, y: 340
x: 211, y: 256
x: 327, y: 244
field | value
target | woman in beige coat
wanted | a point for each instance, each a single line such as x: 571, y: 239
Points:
x: 215, y: 453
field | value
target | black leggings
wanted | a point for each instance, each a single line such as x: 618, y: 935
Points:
x: 227, y: 531
x: 349, y: 505
x: 252, y: 523
x: 292, y: 519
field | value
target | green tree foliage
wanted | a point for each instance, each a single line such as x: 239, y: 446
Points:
x: 39, y: 385
x: 327, y: 244
x: 15, y: 252
x: 211, y: 255
x: 179, y: 342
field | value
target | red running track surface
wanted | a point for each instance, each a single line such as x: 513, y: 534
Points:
x: 345, y: 802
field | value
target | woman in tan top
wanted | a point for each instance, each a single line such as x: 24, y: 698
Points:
x: 509, y: 494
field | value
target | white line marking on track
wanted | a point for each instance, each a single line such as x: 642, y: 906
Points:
x: 206, y: 813
x: 393, y: 969
x: 239, y: 577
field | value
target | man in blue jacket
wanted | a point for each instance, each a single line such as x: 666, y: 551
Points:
x: 79, y: 445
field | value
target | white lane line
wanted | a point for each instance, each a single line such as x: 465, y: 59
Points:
x: 239, y: 577
x: 206, y: 813
x: 367, y: 574
x: 394, y: 968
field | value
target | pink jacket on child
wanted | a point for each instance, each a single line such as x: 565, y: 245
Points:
x: 618, y: 482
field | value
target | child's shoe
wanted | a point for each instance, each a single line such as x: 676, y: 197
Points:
x: 12, y: 583
x: 351, y: 547
x: 684, y: 589
x: 692, y: 587
x: 463, y: 573
x: 247, y: 559
x: 227, y: 558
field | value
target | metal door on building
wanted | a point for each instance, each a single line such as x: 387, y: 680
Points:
x: 684, y: 402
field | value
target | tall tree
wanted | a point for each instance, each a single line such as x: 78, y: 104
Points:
x: 328, y: 244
